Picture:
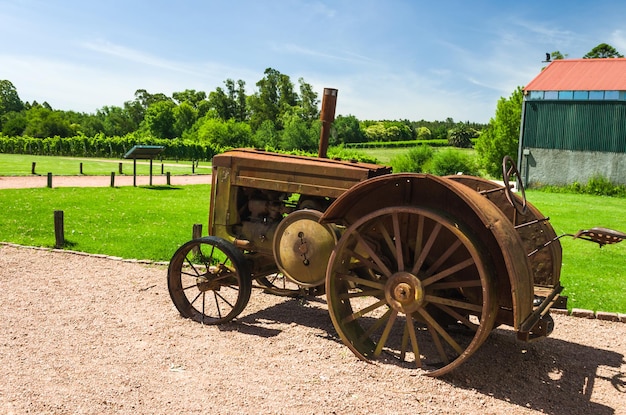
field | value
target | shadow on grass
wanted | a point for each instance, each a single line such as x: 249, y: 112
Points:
x: 160, y: 187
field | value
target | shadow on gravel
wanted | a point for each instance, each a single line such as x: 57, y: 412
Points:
x: 552, y: 376
x: 300, y: 311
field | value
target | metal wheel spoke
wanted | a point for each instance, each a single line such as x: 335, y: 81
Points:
x: 432, y: 323
x: 357, y: 294
x: 217, y: 305
x: 398, y: 242
x: 378, y: 324
x: 200, y: 293
x: 381, y: 265
x: 413, y: 337
x: 386, y: 236
x: 385, y: 336
x: 443, y: 258
x: 193, y: 267
x: 419, y: 240
x: 427, y: 247
x: 440, y: 330
x: 448, y: 271
x: 459, y: 317
x: 365, y: 262
x: 405, y: 342
x: 364, y: 311
x: 455, y: 284
x: 437, y: 341
x: 454, y: 303
x: 361, y: 281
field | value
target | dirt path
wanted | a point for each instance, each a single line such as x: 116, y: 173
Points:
x: 20, y: 182
x: 92, y: 335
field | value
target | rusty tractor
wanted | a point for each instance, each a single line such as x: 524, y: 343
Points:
x: 415, y: 266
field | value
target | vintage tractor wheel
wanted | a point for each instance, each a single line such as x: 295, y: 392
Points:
x: 409, y: 280
x: 280, y: 285
x: 209, y: 280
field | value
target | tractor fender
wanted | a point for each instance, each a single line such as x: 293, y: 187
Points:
x: 485, y: 220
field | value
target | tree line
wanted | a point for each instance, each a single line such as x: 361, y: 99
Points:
x: 279, y: 115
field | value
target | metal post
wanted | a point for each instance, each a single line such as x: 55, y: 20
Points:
x: 150, y: 172
x: 80, y: 169
x: 50, y: 180
x: 32, y: 169
x: 327, y: 116
x: 168, y: 178
x: 120, y: 168
x: 135, y: 172
x: 112, y: 179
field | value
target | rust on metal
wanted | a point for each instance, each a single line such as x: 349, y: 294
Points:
x: 415, y: 266
x: 327, y: 116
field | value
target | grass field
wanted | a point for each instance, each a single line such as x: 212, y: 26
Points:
x: 594, y: 278
x: 21, y: 165
x: 129, y: 222
x: 384, y: 155
x: 152, y: 222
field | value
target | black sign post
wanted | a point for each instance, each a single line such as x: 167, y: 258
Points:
x: 142, y: 153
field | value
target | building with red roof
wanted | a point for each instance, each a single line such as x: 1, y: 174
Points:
x: 574, y: 123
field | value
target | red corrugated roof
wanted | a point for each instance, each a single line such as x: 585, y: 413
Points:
x: 581, y: 75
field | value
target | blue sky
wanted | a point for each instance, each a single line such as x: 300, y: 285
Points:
x: 389, y: 59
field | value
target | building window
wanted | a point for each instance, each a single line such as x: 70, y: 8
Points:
x: 551, y: 95
x: 581, y: 95
x: 596, y: 95
x: 566, y: 94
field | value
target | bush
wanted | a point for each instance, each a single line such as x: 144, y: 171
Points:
x: 413, y: 161
x: 597, y: 185
x: 450, y: 161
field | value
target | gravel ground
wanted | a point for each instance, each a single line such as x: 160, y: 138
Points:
x: 92, y: 335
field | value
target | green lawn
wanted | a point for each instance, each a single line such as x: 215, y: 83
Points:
x: 21, y: 165
x: 129, y: 222
x: 384, y: 155
x: 152, y: 222
x: 594, y: 278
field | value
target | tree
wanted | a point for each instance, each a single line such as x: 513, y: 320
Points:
x: 603, y: 50
x: 346, y: 129
x: 9, y: 99
x: 299, y: 134
x: 501, y: 137
x: 274, y: 98
x: 190, y: 96
x: 308, y: 101
x: 42, y: 122
x: 423, y: 133
x: 461, y: 136
x: 185, y: 115
x: 160, y: 119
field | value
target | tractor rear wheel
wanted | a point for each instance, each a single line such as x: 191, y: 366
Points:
x: 411, y: 283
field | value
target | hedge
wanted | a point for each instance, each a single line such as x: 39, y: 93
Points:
x: 101, y: 146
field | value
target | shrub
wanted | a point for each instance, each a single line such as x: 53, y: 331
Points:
x: 413, y: 161
x: 450, y: 161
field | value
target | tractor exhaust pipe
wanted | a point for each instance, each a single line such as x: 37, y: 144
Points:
x: 327, y: 116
